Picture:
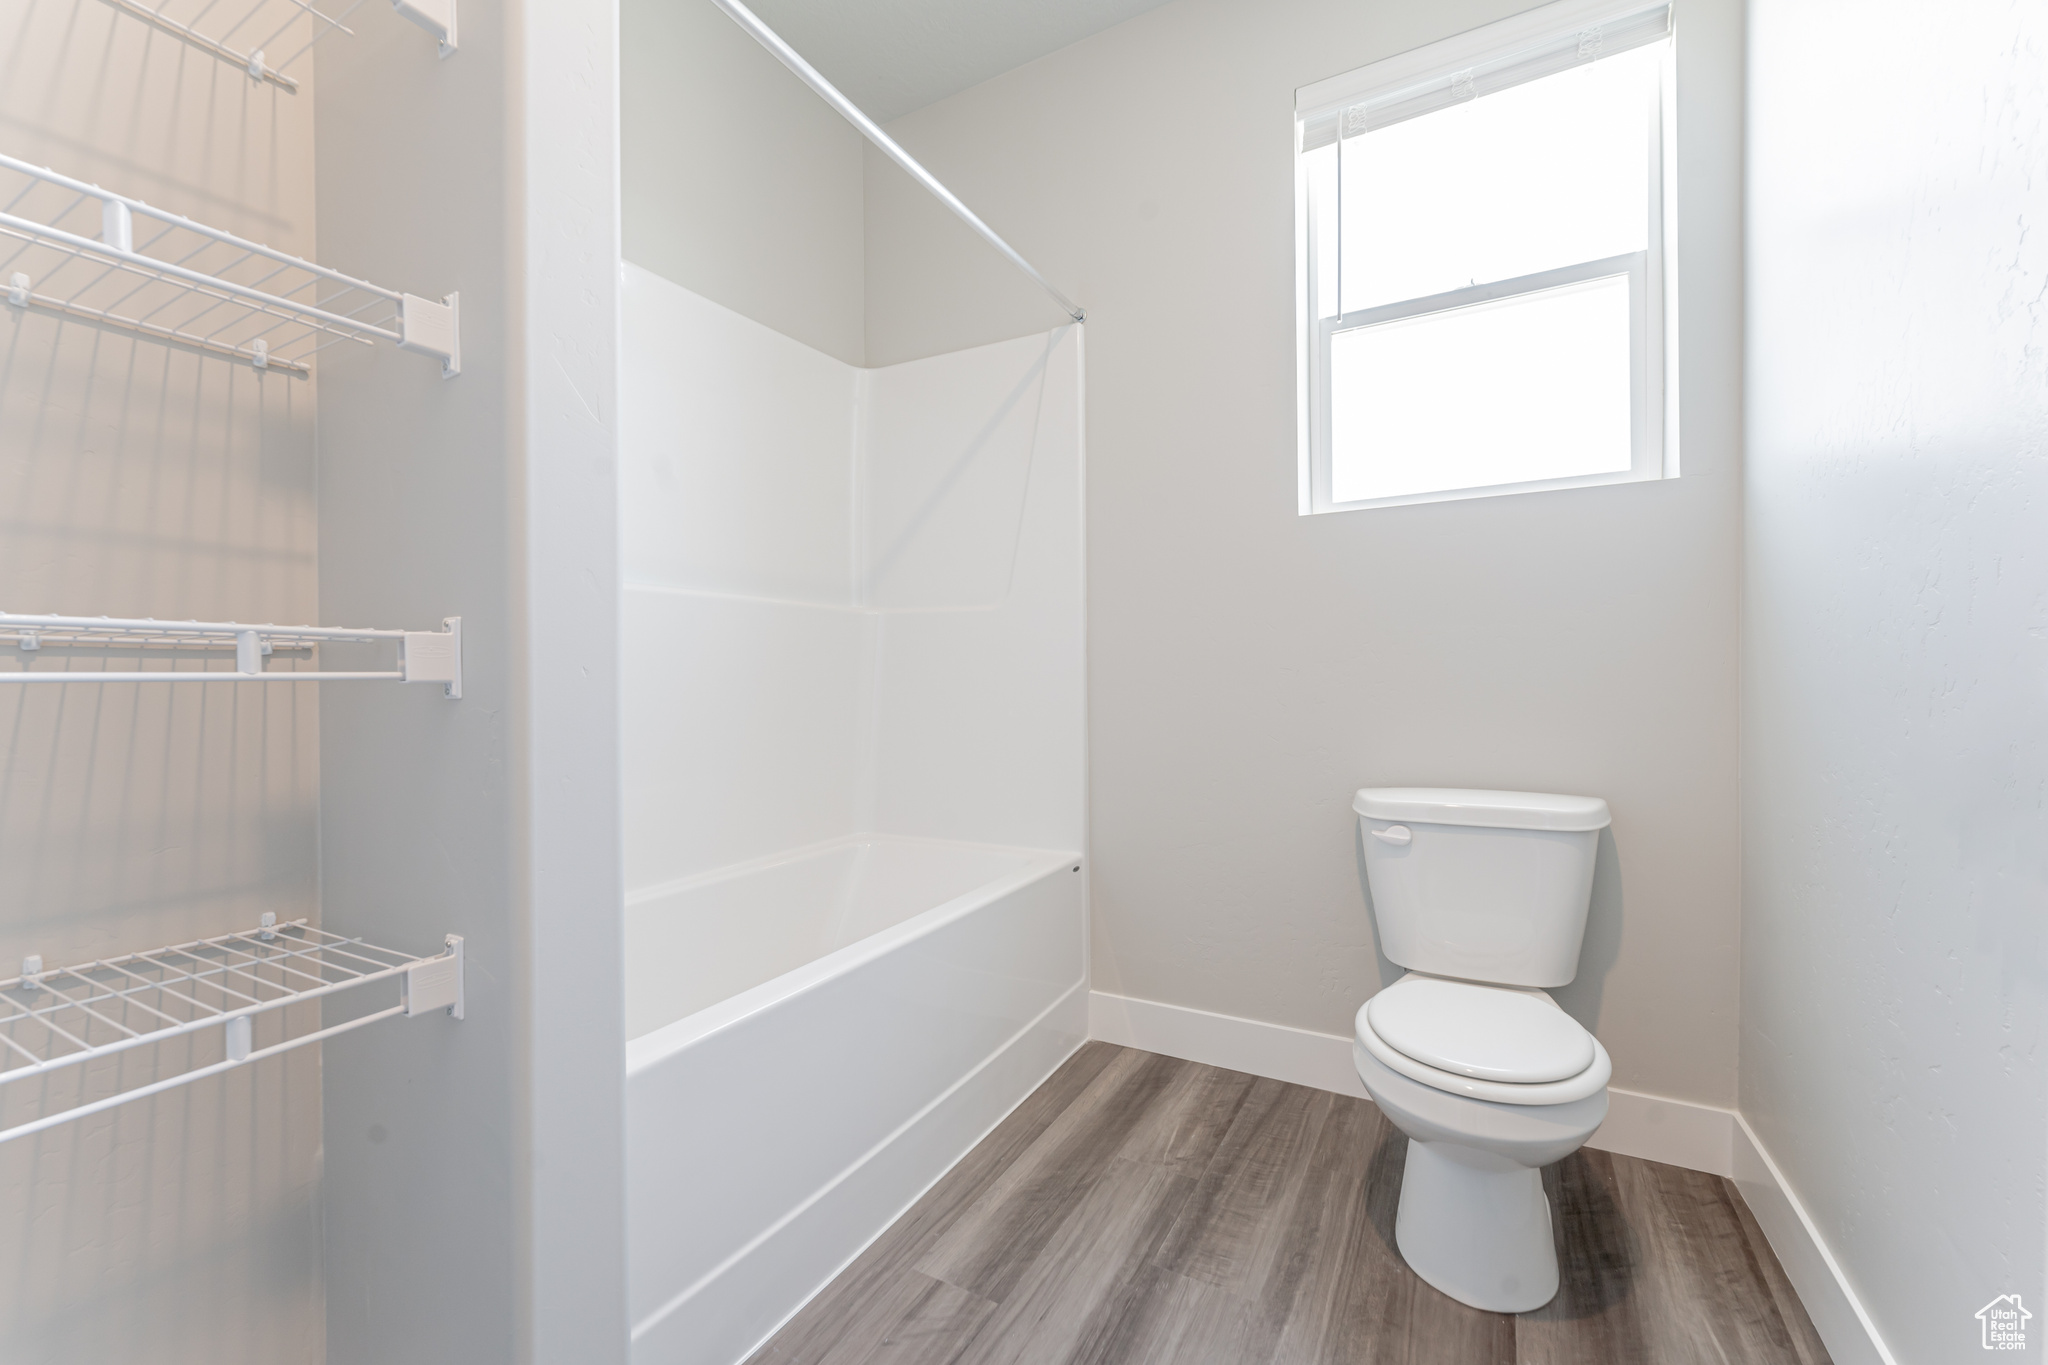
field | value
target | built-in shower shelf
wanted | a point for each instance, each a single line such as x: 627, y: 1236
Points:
x: 53, y: 1021
x: 77, y: 250
x: 424, y: 656
x: 242, y: 33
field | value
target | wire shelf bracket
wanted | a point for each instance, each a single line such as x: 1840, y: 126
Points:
x: 239, y: 34
x: 52, y: 1021
x: 424, y: 656
x: 73, y: 249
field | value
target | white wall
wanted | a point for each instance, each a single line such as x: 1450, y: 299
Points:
x: 474, y: 1205
x: 852, y: 597
x: 416, y: 811
x: 565, y: 760
x: 1249, y: 668
x: 1895, y: 741
x: 139, y: 479
x: 739, y: 182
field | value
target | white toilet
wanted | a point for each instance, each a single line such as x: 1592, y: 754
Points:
x: 1482, y: 895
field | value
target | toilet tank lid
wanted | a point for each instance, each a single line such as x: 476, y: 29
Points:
x: 1491, y: 810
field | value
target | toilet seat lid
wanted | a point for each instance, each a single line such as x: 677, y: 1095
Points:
x: 1491, y: 1033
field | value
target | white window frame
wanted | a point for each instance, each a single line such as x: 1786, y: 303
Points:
x: 1652, y: 280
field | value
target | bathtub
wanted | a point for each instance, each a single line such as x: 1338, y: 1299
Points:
x: 814, y: 1039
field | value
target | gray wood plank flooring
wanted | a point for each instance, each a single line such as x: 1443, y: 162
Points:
x: 1140, y: 1210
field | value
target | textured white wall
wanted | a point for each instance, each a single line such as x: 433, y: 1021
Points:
x: 1895, y: 738
x: 1249, y: 668
x: 138, y: 479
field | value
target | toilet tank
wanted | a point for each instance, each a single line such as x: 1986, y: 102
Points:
x: 1484, y: 885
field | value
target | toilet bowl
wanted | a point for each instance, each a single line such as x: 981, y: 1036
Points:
x: 1473, y: 1219
x: 1483, y: 896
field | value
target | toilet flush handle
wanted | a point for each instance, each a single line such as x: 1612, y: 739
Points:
x: 1393, y: 834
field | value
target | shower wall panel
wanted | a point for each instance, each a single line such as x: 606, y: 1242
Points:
x: 852, y: 723
x: 738, y: 469
x: 741, y: 730
x: 974, y: 461
x: 946, y: 448
x: 853, y: 597
x: 741, y: 642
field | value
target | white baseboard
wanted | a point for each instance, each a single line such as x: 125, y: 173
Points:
x: 1320, y: 1060
x: 1698, y: 1137
x: 1838, y: 1314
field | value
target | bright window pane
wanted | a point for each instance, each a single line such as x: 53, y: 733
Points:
x: 1546, y: 174
x: 1525, y: 388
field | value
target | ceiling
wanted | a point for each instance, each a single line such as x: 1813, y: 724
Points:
x: 893, y: 56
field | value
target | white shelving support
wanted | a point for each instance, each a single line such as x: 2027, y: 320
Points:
x: 239, y: 32
x: 51, y: 1021
x: 424, y: 656
x: 74, y: 249
x: 435, y: 16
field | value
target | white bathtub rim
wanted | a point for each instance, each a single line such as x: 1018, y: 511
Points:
x: 768, y: 862
x: 652, y: 1048
x: 711, y: 1276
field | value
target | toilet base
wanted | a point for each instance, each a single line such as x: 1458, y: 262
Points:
x: 1477, y: 1226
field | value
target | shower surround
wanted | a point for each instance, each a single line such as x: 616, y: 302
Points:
x: 854, y: 777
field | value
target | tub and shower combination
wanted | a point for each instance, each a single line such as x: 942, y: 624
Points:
x: 855, y: 926
x: 775, y: 1130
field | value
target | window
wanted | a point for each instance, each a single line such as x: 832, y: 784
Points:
x: 1483, y: 253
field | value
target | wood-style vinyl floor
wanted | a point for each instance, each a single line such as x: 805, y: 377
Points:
x: 1139, y: 1210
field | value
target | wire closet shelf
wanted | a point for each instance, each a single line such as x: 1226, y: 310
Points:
x: 242, y: 33
x: 56, y: 1021
x: 424, y: 656
x: 74, y: 249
